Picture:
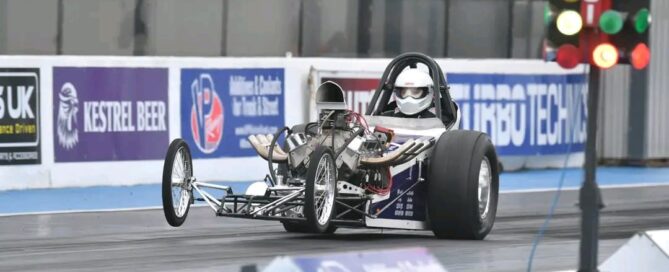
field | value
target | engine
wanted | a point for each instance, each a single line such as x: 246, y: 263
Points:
x: 347, y: 133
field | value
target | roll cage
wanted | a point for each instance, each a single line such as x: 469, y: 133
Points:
x: 445, y: 108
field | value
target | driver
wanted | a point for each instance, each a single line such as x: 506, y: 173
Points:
x: 413, y: 92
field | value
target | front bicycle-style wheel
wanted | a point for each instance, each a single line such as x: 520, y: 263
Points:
x: 177, y: 178
x: 320, y: 190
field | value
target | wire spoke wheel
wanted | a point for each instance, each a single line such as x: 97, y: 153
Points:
x: 324, y: 191
x: 320, y: 191
x: 177, y: 178
x: 181, y: 174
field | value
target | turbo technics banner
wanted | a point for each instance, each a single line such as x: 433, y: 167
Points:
x: 109, y: 114
x: 524, y: 114
x: 19, y: 116
x: 220, y: 108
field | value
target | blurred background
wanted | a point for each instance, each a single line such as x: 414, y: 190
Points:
x: 499, y: 29
x: 493, y: 44
x: 349, y: 28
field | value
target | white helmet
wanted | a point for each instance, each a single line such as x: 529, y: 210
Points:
x: 413, y: 91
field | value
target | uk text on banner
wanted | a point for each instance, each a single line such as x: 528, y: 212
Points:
x: 108, y: 114
x: 221, y: 107
x: 19, y: 116
x: 524, y: 114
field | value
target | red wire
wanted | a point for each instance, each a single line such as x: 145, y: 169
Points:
x: 378, y: 190
x: 359, y: 119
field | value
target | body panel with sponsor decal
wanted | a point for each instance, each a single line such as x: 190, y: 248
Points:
x: 405, y: 205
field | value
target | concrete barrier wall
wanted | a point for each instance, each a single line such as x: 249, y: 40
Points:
x: 105, y: 142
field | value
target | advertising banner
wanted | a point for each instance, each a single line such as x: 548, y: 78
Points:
x: 109, y: 114
x: 397, y: 259
x: 539, y: 114
x: 220, y: 108
x: 358, y: 91
x: 19, y: 116
x: 524, y: 114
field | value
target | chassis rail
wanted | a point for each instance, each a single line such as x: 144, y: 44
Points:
x: 278, y: 200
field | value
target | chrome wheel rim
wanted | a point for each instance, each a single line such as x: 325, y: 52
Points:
x: 181, y: 174
x: 324, y: 189
x: 484, y: 188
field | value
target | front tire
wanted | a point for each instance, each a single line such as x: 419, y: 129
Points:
x: 463, y: 185
x: 320, y: 190
x: 176, y: 188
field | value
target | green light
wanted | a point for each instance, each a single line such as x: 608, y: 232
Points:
x: 547, y: 14
x: 642, y: 20
x: 611, y: 22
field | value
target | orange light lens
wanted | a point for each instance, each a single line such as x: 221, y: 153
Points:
x: 605, y: 55
x: 640, y: 56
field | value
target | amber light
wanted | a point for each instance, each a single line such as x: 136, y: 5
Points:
x: 605, y: 55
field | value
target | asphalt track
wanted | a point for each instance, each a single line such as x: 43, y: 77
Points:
x: 141, y: 240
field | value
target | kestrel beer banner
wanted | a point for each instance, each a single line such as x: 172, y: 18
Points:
x: 109, y: 114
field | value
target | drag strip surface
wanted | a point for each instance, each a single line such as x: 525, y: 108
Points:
x: 142, y: 241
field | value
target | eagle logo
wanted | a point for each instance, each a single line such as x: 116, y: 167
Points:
x: 68, y: 135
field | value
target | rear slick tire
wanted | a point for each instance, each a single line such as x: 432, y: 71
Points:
x: 463, y: 185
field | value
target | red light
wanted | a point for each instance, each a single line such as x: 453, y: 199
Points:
x: 640, y: 56
x: 605, y: 55
x: 568, y: 56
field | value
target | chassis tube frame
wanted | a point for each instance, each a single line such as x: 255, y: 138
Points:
x: 208, y: 198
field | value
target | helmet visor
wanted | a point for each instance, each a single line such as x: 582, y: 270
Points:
x: 413, y: 92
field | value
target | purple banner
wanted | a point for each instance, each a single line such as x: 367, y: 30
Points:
x: 404, y: 259
x: 108, y: 114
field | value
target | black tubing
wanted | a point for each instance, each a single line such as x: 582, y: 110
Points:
x: 271, y: 152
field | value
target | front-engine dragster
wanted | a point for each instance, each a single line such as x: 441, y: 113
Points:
x: 404, y: 165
